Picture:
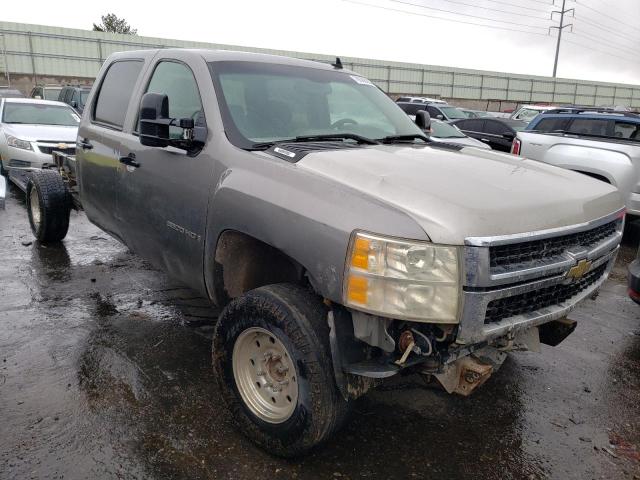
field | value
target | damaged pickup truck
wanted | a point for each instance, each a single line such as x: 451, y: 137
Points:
x: 343, y: 244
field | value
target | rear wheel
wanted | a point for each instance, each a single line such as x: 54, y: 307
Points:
x: 48, y: 205
x: 273, y: 366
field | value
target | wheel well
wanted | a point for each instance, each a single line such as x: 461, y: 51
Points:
x: 243, y: 263
x: 596, y: 176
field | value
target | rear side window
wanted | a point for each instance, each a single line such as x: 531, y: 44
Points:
x: 589, y: 126
x: 551, y: 125
x: 115, y: 92
x: 627, y: 130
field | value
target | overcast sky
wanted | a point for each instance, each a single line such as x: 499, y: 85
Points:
x: 604, y: 44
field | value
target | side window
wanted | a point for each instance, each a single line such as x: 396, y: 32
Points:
x: 462, y: 124
x: 411, y: 108
x: 474, y: 125
x: 177, y: 82
x: 589, y: 126
x: 496, y: 128
x: 551, y: 125
x: 67, y: 95
x: 434, y: 112
x: 115, y: 92
x: 626, y: 130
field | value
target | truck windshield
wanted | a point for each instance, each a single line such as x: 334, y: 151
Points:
x: 39, y: 114
x: 263, y: 102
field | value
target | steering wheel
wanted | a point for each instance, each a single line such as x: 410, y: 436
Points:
x: 342, y: 122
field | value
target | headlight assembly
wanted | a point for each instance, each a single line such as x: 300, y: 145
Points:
x: 18, y: 143
x: 404, y: 279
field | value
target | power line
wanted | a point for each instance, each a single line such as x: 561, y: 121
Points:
x: 608, y: 53
x: 596, y: 38
x: 497, y: 10
x: 611, y: 31
x: 605, y: 15
x: 520, y: 6
x: 407, y: 12
x: 467, y: 14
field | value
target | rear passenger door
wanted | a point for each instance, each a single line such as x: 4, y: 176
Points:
x: 498, y: 135
x: 163, y: 200
x: 99, y: 144
x: 473, y: 128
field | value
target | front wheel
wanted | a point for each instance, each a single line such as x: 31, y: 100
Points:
x: 49, y: 206
x: 273, y: 367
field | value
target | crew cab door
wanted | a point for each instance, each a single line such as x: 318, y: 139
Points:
x: 163, y: 192
x: 99, y: 142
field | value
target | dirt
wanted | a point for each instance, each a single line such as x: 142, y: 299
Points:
x: 105, y: 373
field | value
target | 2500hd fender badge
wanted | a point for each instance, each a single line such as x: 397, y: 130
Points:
x: 184, y: 231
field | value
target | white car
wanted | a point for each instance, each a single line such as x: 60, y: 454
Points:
x: 526, y: 113
x: 30, y: 129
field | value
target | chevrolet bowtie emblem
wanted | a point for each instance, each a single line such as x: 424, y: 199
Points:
x: 62, y: 146
x: 578, y: 271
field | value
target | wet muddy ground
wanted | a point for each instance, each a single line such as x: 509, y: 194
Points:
x: 105, y: 373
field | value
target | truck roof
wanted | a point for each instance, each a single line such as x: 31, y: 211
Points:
x: 230, y: 56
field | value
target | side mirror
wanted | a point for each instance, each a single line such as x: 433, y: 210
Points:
x: 154, y: 120
x: 423, y: 120
x: 74, y: 104
x: 440, y: 117
x: 155, y: 123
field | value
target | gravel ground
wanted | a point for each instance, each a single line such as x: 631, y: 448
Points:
x: 105, y: 373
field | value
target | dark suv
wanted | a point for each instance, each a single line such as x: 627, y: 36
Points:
x: 589, y: 122
x: 75, y: 96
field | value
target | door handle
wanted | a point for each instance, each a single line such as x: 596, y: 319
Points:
x: 484, y: 140
x: 130, y: 160
x: 85, y: 144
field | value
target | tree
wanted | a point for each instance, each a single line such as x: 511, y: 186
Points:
x: 112, y: 24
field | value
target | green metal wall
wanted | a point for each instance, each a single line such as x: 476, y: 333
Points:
x: 53, y: 51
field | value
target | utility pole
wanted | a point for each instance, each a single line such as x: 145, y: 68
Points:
x: 561, y: 27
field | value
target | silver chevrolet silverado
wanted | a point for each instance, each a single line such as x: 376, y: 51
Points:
x: 343, y: 244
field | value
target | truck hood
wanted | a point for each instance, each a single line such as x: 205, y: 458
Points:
x: 32, y: 133
x: 453, y: 195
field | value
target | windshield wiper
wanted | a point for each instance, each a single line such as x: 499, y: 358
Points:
x: 335, y: 136
x: 316, y: 138
x: 404, y: 138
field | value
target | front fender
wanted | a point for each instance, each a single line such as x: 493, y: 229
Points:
x: 307, y: 217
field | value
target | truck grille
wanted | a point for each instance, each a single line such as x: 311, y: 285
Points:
x: 534, y: 300
x: 505, y: 257
x: 48, y: 150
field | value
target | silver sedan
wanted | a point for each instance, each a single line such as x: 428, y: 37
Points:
x: 30, y: 129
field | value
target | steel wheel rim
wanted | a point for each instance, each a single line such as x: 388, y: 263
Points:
x: 34, y: 204
x: 265, y: 375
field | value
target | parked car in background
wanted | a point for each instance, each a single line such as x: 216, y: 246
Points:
x: 601, y: 143
x: 6, y: 92
x: 75, y: 96
x: 420, y: 100
x: 438, y: 111
x: 475, y: 113
x: 526, y: 113
x: 46, y: 92
x: 30, y: 130
x: 498, y: 133
x: 444, y: 132
x: 634, y: 279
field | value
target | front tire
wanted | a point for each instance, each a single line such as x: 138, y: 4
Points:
x: 273, y: 366
x: 49, y: 206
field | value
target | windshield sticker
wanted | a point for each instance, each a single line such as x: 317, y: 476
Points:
x: 362, y: 80
x: 284, y: 152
